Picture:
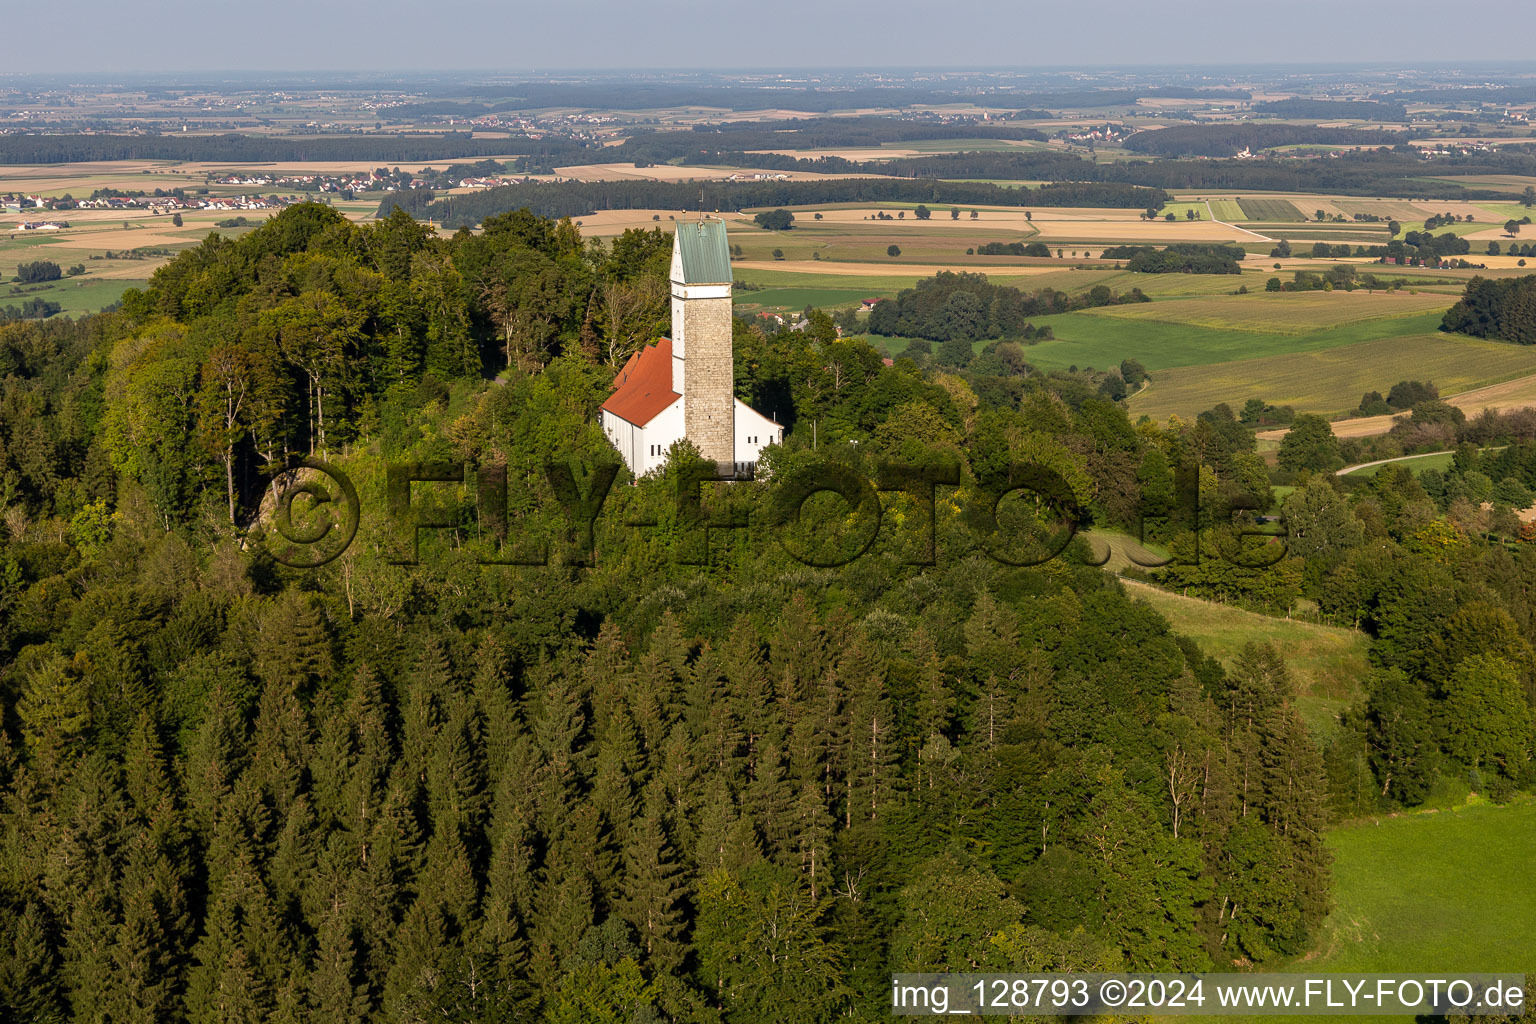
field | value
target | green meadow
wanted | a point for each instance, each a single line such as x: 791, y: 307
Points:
x: 1083, y: 339
x: 1446, y: 890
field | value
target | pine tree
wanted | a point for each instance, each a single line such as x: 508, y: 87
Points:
x: 712, y: 721
x: 726, y: 839
x: 813, y: 829
x: 455, y: 779
x: 605, y: 675
x: 54, y: 708
x: 935, y: 701
x: 29, y: 968
x: 652, y: 888
x: 370, y: 752
x: 422, y: 710
x: 870, y: 761
x: 798, y: 656
x: 236, y: 995
x: 87, y: 969
x: 1257, y: 687
x: 294, y: 645
x: 239, y: 955
x: 502, y: 935
x: 748, y: 691
x: 417, y: 971
x: 216, y: 759
x: 337, y: 993
x: 498, y: 710
x: 449, y: 881
x: 769, y: 801
x: 616, y: 770
x: 280, y: 746
x: 145, y: 972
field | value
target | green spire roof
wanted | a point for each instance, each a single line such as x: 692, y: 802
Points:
x: 706, y: 257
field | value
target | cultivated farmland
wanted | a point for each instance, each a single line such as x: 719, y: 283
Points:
x: 1227, y: 209
x: 1268, y: 209
x: 1332, y: 379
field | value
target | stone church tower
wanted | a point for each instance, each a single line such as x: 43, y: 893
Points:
x: 683, y: 386
x: 702, y: 370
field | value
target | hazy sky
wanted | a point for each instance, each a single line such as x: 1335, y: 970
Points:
x: 151, y: 35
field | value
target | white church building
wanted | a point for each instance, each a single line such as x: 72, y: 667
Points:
x: 684, y: 386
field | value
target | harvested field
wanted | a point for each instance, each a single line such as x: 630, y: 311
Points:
x: 1142, y: 231
x: 669, y: 172
x: 1390, y: 209
x: 1526, y: 236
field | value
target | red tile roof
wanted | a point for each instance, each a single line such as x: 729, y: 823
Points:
x: 644, y: 387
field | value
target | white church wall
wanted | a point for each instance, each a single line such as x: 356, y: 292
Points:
x: 657, y: 436
x: 754, y: 432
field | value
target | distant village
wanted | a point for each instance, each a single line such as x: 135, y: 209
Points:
x: 159, y: 204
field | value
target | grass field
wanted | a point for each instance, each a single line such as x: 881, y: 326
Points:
x: 1268, y: 209
x: 77, y: 295
x: 1278, y: 312
x: 1332, y: 379
x: 1180, y: 210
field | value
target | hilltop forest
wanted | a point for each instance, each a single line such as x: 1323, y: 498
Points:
x: 663, y: 769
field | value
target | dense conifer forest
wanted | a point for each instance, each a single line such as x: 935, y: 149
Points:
x: 665, y: 769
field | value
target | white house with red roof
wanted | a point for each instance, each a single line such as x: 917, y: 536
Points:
x: 684, y: 386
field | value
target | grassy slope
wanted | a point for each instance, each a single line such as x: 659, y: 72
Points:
x: 1326, y: 661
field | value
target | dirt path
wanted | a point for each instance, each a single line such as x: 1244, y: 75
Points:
x: 1382, y: 462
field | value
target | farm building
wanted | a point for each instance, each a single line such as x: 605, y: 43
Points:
x: 684, y: 386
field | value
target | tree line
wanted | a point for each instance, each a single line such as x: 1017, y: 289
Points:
x: 1180, y: 258
x: 1369, y: 172
x: 1503, y: 308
